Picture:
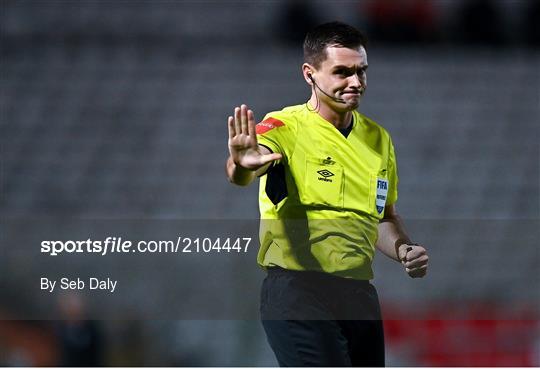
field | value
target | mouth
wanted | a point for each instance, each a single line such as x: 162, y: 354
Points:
x: 353, y: 93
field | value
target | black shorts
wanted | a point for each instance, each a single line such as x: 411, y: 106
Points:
x: 316, y: 319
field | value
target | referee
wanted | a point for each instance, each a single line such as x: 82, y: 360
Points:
x: 328, y: 188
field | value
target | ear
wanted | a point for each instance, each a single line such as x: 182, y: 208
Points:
x: 307, y: 71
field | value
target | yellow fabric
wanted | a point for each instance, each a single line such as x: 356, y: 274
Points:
x: 328, y: 221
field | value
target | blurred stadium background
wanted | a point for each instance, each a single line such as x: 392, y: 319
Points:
x: 117, y: 109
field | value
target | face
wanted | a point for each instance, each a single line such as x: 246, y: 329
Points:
x: 342, y: 75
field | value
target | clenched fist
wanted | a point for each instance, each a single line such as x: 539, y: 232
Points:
x: 414, y: 258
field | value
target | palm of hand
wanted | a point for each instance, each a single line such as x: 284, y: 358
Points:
x: 244, y: 151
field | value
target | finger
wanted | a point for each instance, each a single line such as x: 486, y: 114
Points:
x: 244, y: 119
x: 417, y: 272
x: 237, y: 124
x: 415, y: 252
x: 230, y: 124
x: 265, y: 159
x: 413, y: 270
x: 251, y: 125
x: 416, y: 262
x: 403, y: 251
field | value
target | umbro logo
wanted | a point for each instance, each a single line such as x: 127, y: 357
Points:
x: 325, y: 174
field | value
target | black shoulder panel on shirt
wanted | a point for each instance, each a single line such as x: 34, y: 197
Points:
x: 276, y: 187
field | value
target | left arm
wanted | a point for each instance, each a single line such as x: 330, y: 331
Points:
x: 394, y: 242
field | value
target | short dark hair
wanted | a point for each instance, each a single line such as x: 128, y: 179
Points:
x: 327, y: 35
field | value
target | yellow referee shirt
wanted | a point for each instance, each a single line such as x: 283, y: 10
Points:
x: 321, y: 204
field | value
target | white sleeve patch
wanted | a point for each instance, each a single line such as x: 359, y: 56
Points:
x: 382, y: 193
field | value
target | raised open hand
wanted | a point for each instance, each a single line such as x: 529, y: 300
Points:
x: 243, y: 146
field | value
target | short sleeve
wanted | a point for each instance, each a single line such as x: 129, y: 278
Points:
x: 275, y: 133
x: 392, y: 176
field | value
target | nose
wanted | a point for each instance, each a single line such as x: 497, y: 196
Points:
x: 357, y: 81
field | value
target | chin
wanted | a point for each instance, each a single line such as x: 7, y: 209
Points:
x: 352, y: 105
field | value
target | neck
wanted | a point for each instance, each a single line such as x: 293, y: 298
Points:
x: 340, y: 120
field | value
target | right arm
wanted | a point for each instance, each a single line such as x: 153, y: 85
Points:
x: 247, y: 158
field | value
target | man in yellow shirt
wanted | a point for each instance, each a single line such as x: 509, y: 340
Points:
x: 327, y: 199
